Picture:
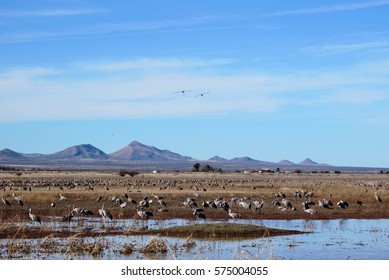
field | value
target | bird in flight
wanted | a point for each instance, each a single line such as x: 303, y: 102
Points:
x: 202, y: 94
x: 183, y: 91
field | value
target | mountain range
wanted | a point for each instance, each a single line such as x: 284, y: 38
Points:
x: 136, y: 153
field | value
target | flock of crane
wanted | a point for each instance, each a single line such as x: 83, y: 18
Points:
x: 144, y: 210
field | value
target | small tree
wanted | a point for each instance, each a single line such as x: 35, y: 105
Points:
x: 124, y: 172
x: 196, y: 167
x: 206, y: 168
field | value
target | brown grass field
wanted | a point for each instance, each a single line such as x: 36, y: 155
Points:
x: 38, y: 190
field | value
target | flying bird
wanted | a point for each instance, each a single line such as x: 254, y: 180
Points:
x: 202, y: 94
x: 183, y: 91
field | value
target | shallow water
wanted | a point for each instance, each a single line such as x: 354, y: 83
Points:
x: 327, y: 240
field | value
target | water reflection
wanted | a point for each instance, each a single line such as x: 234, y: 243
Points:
x: 328, y: 239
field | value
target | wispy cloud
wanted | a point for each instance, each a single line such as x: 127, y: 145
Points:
x: 330, y: 9
x: 118, y: 29
x: 50, y: 12
x: 146, y: 63
x: 344, y: 48
x: 39, y: 93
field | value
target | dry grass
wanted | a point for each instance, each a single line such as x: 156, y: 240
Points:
x: 82, y: 189
x: 155, y: 246
x: 220, y: 231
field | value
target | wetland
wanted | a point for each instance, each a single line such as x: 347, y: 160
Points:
x: 173, y: 230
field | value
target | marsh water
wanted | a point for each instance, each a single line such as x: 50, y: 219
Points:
x: 324, y: 240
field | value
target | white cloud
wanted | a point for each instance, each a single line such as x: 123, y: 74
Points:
x: 147, y: 63
x: 104, y: 30
x: 49, y: 12
x: 330, y: 9
x: 345, y: 48
x: 78, y: 93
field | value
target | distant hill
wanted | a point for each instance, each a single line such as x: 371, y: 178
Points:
x: 84, y: 151
x: 286, y: 162
x: 218, y: 159
x: 248, y: 161
x: 139, y: 152
x: 308, y: 162
x: 9, y: 155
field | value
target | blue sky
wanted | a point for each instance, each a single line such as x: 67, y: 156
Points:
x: 286, y: 79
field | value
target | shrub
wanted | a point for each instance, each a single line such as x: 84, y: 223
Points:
x: 124, y: 172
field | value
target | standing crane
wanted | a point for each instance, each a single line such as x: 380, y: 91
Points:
x: 33, y: 217
x: 5, y: 201
x: 234, y: 215
x: 18, y: 199
x: 105, y: 213
x: 377, y: 198
x: 143, y: 214
x: 199, y: 213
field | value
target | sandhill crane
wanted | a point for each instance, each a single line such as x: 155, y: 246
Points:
x: 144, y: 214
x: 245, y: 205
x: 77, y: 210
x: 310, y: 211
x: 68, y: 218
x: 86, y: 212
x: 281, y: 194
x: 159, y: 200
x: 258, y: 204
x: 118, y: 201
x: 276, y: 203
x: 18, y: 199
x: 213, y: 204
x: 287, y: 203
x: 190, y: 202
x: 305, y: 205
x: 5, y: 201
x: 328, y: 202
x: 322, y: 203
x: 197, y: 210
x: 144, y: 202
x: 307, y: 209
x: 199, y: 213
x: 132, y: 201
x: 224, y: 205
x: 377, y: 197
x: 297, y: 194
x: 33, y: 217
x: 342, y: 204
x: 183, y: 91
x: 105, y: 213
x: 202, y: 94
x: 234, y: 215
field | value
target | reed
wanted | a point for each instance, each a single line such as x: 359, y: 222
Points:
x: 155, y: 246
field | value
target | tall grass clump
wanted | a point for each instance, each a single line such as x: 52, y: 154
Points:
x: 155, y: 246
